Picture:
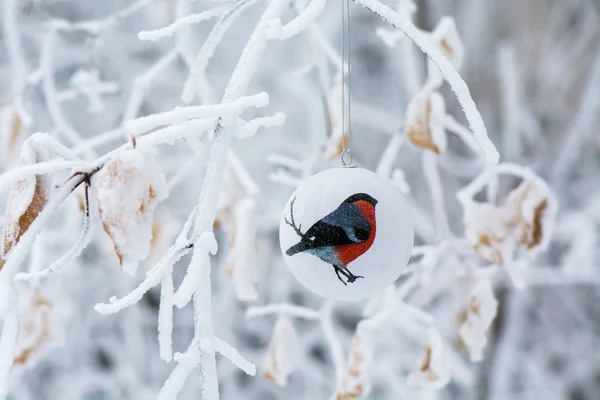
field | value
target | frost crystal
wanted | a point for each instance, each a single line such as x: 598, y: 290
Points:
x: 283, y: 355
x: 481, y: 311
x: 433, y: 370
x: 357, y: 382
x: 130, y: 186
x: 424, y: 121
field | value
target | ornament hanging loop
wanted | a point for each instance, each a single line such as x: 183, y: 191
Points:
x: 346, y: 155
x: 347, y: 158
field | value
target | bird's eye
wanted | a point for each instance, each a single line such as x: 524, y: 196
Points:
x: 312, y: 238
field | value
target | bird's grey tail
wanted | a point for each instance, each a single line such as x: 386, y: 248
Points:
x: 297, y: 248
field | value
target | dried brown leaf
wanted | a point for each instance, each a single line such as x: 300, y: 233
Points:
x: 283, y: 355
x: 533, y: 234
x: 422, y: 123
x: 17, y: 220
x: 35, y: 330
x: 12, y: 134
x: 129, y: 188
x: 419, y: 132
x: 356, y: 382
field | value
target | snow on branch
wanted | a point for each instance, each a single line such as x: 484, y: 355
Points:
x: 181, y: 114
x: 195, y: 81
x: 181, y: 23
x: 205, y: 245
x: 199, y: 270
x: 229, y: 352
x: 75, y: 251
x: 153, y: 278
x: 298, y: 24
x: 283, y: 309
x: 249, y: 129
x: 458, y: 85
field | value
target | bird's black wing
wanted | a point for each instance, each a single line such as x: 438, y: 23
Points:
x: 345, y: 225
x: 322, y: 234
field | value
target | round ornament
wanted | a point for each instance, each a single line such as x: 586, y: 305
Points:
x: 346, y: 233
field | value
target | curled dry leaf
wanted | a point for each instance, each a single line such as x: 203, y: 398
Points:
x: 11, y: 134
x: 424, y: 123
x: 433, y: 372
x: 283, y: 355
x: 487, y: 230
x: 129, y: 187
x: 357, y: 383
x: 536, y: 208
x: 242, y: 260
x: 446, y: 38
x: 481, y: 310
x: 527, y: 217
x: 36, y: 331
x: 26, y: 200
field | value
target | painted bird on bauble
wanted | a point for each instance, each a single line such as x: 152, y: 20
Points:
x: 340, y: 237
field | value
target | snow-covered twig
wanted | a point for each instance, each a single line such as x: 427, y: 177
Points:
x: 165, y: 318
x: 195, y: 81
x: 49, y: 87
x: 181, y: 23
x: 153, y: 278
x: 38, y: 169
x: 250, y: 128
x: 283, y: 309
x: 75, y: 251
x: 298, y: 24
x: 181, y: 114
x: 229, y: 352
x: 141, y: 84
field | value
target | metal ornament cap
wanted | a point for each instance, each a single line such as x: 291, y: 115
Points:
x: 354, y: 219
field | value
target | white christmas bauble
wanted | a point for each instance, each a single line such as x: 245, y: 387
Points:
x: 346, y: 233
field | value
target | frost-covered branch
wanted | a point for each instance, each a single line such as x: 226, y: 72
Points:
x: 457, y: 84
x: 75, y: 251
x: 298, y: 24
x: 181, y: 23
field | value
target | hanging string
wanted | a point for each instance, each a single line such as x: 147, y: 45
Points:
x: 346, y: 155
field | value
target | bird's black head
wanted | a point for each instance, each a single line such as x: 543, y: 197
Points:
x: 361, y: 196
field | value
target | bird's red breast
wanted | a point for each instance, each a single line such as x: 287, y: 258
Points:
x: 350, y: 252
